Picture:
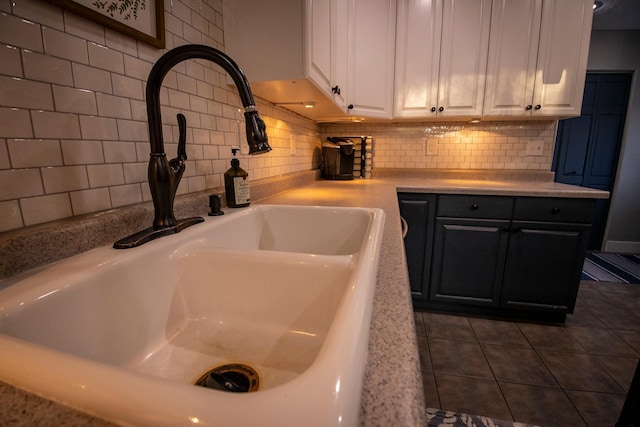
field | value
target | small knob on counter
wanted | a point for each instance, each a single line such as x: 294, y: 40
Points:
x: 214, y: 204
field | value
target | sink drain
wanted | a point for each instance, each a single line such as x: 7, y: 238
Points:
x: 233, y: 377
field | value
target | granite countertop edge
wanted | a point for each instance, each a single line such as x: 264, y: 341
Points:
x: 392, y: 392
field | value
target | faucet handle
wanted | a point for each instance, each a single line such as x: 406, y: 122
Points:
x: 182, y: 137
x: 178, y: 162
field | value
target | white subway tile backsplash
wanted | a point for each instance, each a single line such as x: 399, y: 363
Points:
x: 94, y: 127
x: 86, y: 77
x: 66, y: 46
x: 196, y: 183
x: 10, y: 61
x: 198, y: 103
x: 19, y: 183
x: 72, y: 100
x: 191, y: 34
x: 30, y: 153
x: 82, y: 152
x: 178, y: 99
x: 138, y: 110
x: 136, y: 68
x: 127, y: 87
x: 36, y: 210
x: 44, y: 13
x: 64, y: 179
x: 49, y: 124
x: 105, y: 175
x: 123, y: 195
x: 21, y: 93
x: 105, y: 58
x: 119, y: 152
x: 84, y: 28
x: 4, y: 155
x: 149, y: 53
x: 87, y: 201
x: 10, y: 215
x: 113, y: 106
x: 135, y: 172
x: 172, y: 24
x: 187, y: 84
x: 45, y: 68
x: 15, y: 123
x: 120, y: 42
x: 130, y: 130
x: 20, y: 32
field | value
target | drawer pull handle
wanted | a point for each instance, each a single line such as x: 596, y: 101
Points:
x: 405, y: 227
x: 475, y: 207
x: 555, y: 210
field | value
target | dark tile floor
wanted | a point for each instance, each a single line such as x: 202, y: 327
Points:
x: 576, y: 374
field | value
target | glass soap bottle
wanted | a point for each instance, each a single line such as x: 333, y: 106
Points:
x: 236, y: 184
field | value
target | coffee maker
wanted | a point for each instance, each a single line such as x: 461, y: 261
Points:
x: 337, y: 158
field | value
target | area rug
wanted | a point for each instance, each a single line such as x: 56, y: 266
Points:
x: 442, y: 418
x: 608, y: 267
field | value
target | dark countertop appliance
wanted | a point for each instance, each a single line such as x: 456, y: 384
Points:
x: 337, y: 158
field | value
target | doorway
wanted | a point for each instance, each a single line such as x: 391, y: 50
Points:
x: 588, y: 147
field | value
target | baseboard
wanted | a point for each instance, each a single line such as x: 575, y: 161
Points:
x: 622, y: 247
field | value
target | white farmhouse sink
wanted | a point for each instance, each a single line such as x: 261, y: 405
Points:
x: 123, y: 334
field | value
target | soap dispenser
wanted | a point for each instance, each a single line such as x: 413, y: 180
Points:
x: 236, y: 184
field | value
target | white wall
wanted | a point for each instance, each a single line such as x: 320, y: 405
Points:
x: 620, y: 51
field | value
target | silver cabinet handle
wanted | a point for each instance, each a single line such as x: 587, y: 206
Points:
x: 405, y: 227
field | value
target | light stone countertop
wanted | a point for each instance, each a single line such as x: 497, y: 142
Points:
x: 392, y: 392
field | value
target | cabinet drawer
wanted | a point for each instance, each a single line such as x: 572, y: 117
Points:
x: 554, y: 209
x: 471, y: 206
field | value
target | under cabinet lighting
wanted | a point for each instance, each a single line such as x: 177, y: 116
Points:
x: 306, y: 104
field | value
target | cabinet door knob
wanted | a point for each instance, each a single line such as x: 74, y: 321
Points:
x: 350, y: 107
x: 475, y: 207
x: 555, y: 210
x: 441, y: 109
x: 336, y: 89
x: 537, y: 107
x: 528, y: 107
x: 433, y: 109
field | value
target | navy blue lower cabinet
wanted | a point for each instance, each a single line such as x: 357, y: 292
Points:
x: 468, y: 261
x: 418, y: 211
x: 544, y: 266
x: 497, y: 255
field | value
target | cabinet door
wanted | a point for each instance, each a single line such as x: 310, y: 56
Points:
x: 544, y: 265
x: 513, y: 52
x: 419, y: 27
x: 468, y: 260
x: 340, y: 75
x: 565, y: 32
x: 319, y: 49
x: 327, y: 47
x: 418, y: 210
x: 372, y: 27
x: 463, y: 57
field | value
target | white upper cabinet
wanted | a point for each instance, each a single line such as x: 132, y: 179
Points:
x: 327, y: 47
x: 441, y: 57
x: 537, y: 57
x: 371, y: 52
x: 292, y: 51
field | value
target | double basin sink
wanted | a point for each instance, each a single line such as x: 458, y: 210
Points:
x: 286, y: 291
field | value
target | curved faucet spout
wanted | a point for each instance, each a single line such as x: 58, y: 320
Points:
x: 256, y: 135
x: 164, y: 175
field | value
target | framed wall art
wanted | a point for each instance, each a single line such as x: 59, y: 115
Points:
x: 140, y: 19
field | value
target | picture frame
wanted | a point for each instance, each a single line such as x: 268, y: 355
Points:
x: 140, y: 19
